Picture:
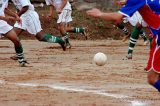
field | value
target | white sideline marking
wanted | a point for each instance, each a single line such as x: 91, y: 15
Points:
x: 77, y: 89
x: 99, y: 92
x: 137, y: 103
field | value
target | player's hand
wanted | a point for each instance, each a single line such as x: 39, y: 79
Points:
x: 10, y: 20
x: 94, y: 12
x: 18, y: 19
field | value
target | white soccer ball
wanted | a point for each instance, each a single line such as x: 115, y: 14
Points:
x: 100, y: 59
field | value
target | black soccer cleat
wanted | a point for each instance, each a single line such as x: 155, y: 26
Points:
x: 22, y: 62
x: 63, y: 45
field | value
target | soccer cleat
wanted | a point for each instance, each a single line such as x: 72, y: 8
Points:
x: 22, y: 62
x: 68, y: 45
x: 66, y: 40
x: 63, y: 45
x: 128, y: 57
x: 126, y: 37
x: 84, y: 33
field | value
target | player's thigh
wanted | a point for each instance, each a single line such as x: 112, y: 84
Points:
x: 11, y: 35
x: 152, y: 76
x: 17, y: 30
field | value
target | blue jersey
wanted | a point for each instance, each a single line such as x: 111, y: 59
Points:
x: 149, y: 10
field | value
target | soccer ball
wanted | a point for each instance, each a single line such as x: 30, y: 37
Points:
x: 100, y: 59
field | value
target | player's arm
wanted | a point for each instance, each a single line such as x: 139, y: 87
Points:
x: 51, y: 11
x: 11, y: 15
x: 3, y: 18
x: 64, y: 2
x: 113, y: 16
x: 23, y: 10
x: 8, y: 18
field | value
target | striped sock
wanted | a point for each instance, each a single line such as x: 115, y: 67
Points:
x: 123, y: 28
x: 52, y: 39
x: 78, y: 30
x: 133, y: 40
x: 19, y: 53
x: 143, y: 35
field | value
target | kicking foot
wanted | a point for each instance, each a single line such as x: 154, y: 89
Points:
x: 126, y: 37
x: 63, y: 45
x: 22, y: 62
x: 128, y: 57
x: 68, y: 45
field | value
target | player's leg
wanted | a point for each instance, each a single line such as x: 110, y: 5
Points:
x: 153, y: 65
x: 143, y: 35
x: 81, y: 30
x: 153, y: 79
x: 124, y: 29
x: 63, y: 20
x: 33, y: 26
x: 133, y: 41
x: 68, y: 19
x: 11, y: 35
x: 41, y: 36
x: 18, y: 32
x: 62, y: 27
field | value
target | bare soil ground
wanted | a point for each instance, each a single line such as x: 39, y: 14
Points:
x: 70, y: 78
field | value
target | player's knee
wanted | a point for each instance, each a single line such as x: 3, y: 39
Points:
x: 17, y: 43
x: 139, y: 26
x: 151, y: 79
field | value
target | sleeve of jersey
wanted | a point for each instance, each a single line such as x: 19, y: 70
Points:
x: 6, y: 4
x: 131, y: 7
x: 25, y: 3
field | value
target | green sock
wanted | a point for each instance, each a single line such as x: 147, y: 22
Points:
x: 143, y: 35
x: 123, y: 28
x: 66, y: 37
x: 19, y: 53
x: 52, y: 39
x: 78, y: 30
x: 133, y: 39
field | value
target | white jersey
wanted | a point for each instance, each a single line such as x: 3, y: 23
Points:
x: 21, y: 3
x: 30, y: 19
x: 4, y: 26
x: 3, y: 5
x: 57, y: 4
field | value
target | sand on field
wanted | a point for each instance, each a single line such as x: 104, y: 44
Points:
x: 70, y: 78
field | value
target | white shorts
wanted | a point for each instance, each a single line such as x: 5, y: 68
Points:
x: 4, y: 27
x: 136, y: 18
x: 65, y: 16
x: 30, y: 22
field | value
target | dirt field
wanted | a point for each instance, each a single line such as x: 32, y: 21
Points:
x: 70, y: 78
